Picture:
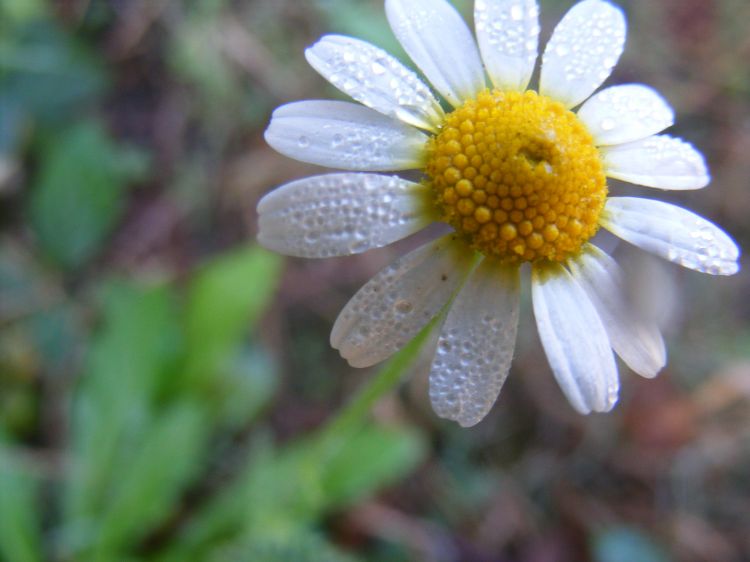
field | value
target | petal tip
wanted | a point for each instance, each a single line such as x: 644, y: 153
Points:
x: 263, y: 204
x: 470, y: 421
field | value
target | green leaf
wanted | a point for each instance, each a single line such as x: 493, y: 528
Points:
x: 283, y: 492
x: 625, y: 544
x: 18, y: 11
x: 20, y: 537
x: 47, y: 72
x: 301, y: 547
x: 228, y: 513
x: 278, y: 494
x: 225, y: 301
x: 56, y: 334
x: 245, y: 387
x: 78, y: 195
x: 373, y: 459
x: 158, y: 473
x: 11, y: 133
x: 137, y: 344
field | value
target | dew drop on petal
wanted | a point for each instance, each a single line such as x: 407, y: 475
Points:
x: 608, y: 124
x: 403, y: 306
x: 378, y: 69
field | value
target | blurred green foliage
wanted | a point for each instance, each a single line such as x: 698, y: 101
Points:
x: 79, y: 192
x: 45, y: 72
x: 20, y: 533
x: 168, y: 381
x: 164, y: 380
x: 623, y: 544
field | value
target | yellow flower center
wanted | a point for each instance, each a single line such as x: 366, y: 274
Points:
x: 518, y: 176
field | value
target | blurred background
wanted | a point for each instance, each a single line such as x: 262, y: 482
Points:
x: 166, y: 387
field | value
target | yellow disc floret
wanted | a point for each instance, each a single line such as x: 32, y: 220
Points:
x: 518, y: 176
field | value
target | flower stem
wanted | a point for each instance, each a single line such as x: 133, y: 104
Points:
x: 352, y: 416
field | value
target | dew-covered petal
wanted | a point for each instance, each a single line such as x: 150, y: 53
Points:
x: 340, y: 214
x: 583, y: 50
x: 574, y: 340
x: 476, y: 344
x: 398, y: 302
x: 508, y: 36
x: 659, y: 161
x: 673, y: 233
x: 338, y: 134
x: 637, y: 341
x: 626, y: 113
x: 437, y: 39
x: 376, y: 79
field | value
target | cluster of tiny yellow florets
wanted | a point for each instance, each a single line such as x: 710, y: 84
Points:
x: 518, y: 176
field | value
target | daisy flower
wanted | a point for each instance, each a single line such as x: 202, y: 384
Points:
x: 519, y: 175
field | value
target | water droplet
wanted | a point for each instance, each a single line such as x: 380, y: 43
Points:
x: 403, y: 306
x: 303, y: 142
x: 516, y: 13
x: 608, y: 124
x: 377, y: 68
x: 358, y: 246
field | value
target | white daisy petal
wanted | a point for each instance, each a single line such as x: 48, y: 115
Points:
x: 636, y: 340
x: 398, y: 302
x: 437, y: 39
x: 340, y: 214
x: 583, y: 50
x: 476, y: 344
x: 574, y: 340
x: 376, y: 79
x: 673, y: 233
x: 508, y: 35
x: 659, y: 161
x: 626, y: 113
x: 338, y: 134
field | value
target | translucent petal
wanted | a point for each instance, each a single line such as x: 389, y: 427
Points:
x: 583, y: 50
x: 344, y: 135
x: 398, y: 302
x: 437, y: 39
x: 574, y: 340
x: 637, y: 340
x: 376, y: 79
x: 340, y: 214
x: 508, y: 35
x: 673, y: 233
x: 476, y: 344
x: 626, y: 113
x: 660, y: 161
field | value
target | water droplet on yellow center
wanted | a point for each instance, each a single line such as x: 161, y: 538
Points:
x: 518, y: 176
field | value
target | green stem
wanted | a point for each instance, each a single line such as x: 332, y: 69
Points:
x: 353, y: 415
